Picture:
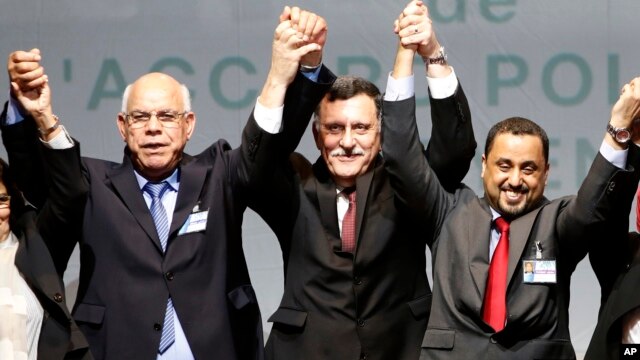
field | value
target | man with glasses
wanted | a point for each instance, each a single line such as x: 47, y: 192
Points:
x: 162, y: 268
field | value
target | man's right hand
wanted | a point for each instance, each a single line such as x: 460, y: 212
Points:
x: 25, y: 70
x: 30, y: 86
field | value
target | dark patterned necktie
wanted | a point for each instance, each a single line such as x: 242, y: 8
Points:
x: 349, y: 222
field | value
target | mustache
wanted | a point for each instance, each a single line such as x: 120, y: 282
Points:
x: 342, y: 152
x: 521, y: 189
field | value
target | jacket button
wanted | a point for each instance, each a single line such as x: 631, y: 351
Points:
x: 361, y: 322
x: 157, y: 327
x: 612, y: 185
x: 357, y: 280
x: 493, y: 340
x: 627, y: 267
x: 58, y: 297
x: 169, y: 275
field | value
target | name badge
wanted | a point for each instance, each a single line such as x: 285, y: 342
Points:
x: 539, y: 271
x: 197, y: 221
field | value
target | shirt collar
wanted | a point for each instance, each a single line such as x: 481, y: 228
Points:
x: 173, y: 180
x: 494, y: 214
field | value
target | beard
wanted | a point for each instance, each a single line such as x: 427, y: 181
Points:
x: 510, y: 210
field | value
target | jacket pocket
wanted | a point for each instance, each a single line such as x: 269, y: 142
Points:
x: 420, y: 307
x: 89, y: 313
x: 439, y: 339
x: 289, y: 317
x: 242, y: 296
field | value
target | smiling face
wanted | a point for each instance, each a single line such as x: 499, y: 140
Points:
x: 348, y: 136
x: 514, y: 173
x: 156, y: 150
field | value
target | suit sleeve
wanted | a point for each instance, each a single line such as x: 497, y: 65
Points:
x: 611, y: 247
x: 411, y: 176
x: 265, y: 163
x: 452, y: 144
x: 262, y: 152
x: 23, y: 152
x: 51, y: 180
x: 264, y: 155
x: 60, y: 220
x: 599, y: 213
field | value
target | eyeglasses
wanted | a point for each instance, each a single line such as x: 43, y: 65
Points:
x: 168, y: 119
x: 4, y: 200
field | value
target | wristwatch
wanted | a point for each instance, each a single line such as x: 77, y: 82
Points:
x: 620, y: 135
x: 441, y: 59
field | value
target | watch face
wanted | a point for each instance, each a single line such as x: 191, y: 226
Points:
x: 623, y: 135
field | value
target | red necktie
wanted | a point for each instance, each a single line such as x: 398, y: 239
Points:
x: 349, y: 223
x: 495, y: 297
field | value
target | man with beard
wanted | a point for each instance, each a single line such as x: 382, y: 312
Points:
x: 483, y: 306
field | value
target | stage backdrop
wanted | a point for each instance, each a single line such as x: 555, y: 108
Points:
x: 558, y: 62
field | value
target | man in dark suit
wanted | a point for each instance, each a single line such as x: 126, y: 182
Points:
x: 162, y: 268
x: 355, y: 280
x: 483, y: 305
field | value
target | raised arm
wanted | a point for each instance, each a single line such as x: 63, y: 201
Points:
x: 452, y: 144
x: 609, y: 258
x: 601, y: 209
x: 19, y: 135
x: 60, y: 216
x: 288, y: 99
x: 413, y: 180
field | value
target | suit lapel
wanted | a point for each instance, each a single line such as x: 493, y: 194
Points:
x: 478, y: 243
x: 192, y: 179
x: 363, y: 184
x: 326, y: 192
x: 126, y: 186
x: 518, y: 236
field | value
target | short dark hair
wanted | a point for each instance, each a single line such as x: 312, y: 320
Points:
x: 17, y: 202
x: 346, y: 87
x: 517, y: 126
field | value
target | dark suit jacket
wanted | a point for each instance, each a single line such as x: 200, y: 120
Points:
x: 375, y: 302
x: 125, y: 279
x: 60, y: 337
x: 621, y: 298
x: 615, y: 257
x: 537, y: 323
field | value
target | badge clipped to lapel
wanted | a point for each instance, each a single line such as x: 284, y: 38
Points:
x: 537, y: 270
x: 197, y: 221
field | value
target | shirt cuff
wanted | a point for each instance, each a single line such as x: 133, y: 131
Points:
x: 14, y: 112
x: 313, y: 75
x: 441, y: 88
x: 60, y: 141
x: 616, y: 157
x: 399, y: 89
x: 269, y: 120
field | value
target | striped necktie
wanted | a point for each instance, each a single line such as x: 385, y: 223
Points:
x: 159, y: 215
